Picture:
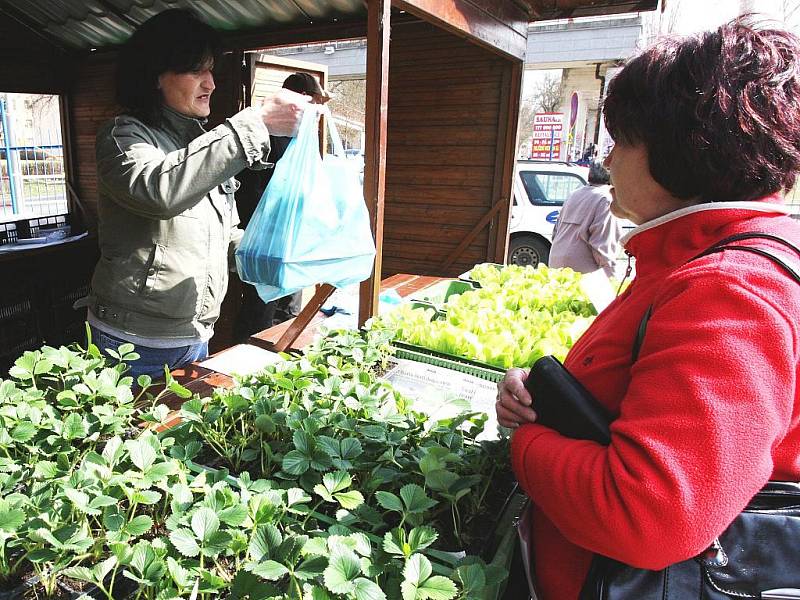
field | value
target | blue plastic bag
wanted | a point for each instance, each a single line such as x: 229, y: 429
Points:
x: 311, y: 225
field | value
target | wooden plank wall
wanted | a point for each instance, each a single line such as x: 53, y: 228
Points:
x: 445, y: 102
x: 91, y: 103
x: 267, y: 80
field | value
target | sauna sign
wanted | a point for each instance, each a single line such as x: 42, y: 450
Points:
x: 547, y: 129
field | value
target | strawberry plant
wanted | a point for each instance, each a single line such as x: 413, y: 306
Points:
x: 13, y: 516
x: 350, y: 496
x: 351, y: 444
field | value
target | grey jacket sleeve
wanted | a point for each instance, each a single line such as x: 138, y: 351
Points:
x: 236, y: 239
x: 604, y: 233
x: 150, y: 182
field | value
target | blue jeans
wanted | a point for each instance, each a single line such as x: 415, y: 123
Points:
x: 152, y: 360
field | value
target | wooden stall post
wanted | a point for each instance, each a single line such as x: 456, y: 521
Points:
x: 377, y: 101
x: 301, y: 321
x: 507, y: 136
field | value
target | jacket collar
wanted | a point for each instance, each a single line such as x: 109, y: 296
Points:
x: 673, y: 239
x: 185, y: 127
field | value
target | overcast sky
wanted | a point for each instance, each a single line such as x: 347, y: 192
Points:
x: 698, y: 15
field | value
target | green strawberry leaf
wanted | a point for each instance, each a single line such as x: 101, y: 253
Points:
x: 185, y: 542
x: 269, y: 570
x: 389, y: 501
x: 343, y: 568
x: 350, y: 500
x: 205, y: 523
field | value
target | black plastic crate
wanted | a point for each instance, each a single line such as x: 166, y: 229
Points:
x: 63, y: 323
x: 14, y: 306
x: 19, y: 325
x: 16, y: 336
x: 39, y: 226
x: 24, y: 229
x: 70, y: 333
x: 65, y: 293
x: 8, y: 233
x: 19, y: 335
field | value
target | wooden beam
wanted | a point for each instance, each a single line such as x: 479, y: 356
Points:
x: 377, y: 104
x: 302, y: 320
x: 563, y: 9
x: 293, y: 36
x: 499, y: 26
x: 453, y: 256
x: 505, y: 160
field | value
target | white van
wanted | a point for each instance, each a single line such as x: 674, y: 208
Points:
x: 540, y: 188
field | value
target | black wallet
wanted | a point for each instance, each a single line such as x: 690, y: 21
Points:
x: 563, y: 404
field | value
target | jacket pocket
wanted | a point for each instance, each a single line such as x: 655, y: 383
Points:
x: 153, y: 269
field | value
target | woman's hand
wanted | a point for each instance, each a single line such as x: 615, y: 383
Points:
x: 513, y: 404
x: 282, y: 112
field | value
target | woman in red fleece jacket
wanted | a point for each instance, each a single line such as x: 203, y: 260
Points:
x: 707, y: 132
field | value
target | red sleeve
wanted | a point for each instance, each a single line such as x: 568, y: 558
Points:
x: 709, y: 398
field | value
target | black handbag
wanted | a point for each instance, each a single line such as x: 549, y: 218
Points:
x: 757, y: 556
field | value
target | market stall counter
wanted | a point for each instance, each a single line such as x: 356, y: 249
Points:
x: 203, y: 377
x: 294, y: 336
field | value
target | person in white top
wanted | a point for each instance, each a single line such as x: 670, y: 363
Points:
x: 586, y: 235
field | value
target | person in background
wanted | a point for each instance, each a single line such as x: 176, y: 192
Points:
x: 707, y: 132
x: 588, y: 155
x: 167, y: 218
x: 254, y: 314
x: 586, y: 235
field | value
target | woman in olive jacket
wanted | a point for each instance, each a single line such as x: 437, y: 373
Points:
x: 167, y: 216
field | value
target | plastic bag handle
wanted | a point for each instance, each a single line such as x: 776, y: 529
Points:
x: 338, y: 147
x: 308, y: 126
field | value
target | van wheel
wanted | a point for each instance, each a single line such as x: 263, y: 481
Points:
x: 527, y: 250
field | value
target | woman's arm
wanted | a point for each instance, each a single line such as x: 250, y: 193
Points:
x: 151, y: 182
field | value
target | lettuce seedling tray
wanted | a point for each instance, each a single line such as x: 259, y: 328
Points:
x: 448, y: 361
x: 438, y: 293
x: 424, y: 305
x: 467, y: 276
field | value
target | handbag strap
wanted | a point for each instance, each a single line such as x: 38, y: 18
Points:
x: 725, y: 244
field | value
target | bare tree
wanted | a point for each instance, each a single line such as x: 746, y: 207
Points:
x: 544, y: 97
x: 348, y: 102
x: 40, y: 104
x: 789, y: 8
x: 663, y: 21
x: 526, y: 112
x: 547, y: 93
x: 789, y: 13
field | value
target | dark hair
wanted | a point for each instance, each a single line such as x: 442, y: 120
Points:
x: 718, y: 112
x: 302, y: 83
x: 173, y: 40
x: 598, y: 174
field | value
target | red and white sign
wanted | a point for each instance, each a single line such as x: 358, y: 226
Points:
x: 547, y: 128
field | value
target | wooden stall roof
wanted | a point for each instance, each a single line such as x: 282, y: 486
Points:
x: 84, y: 25
x: 570, y: 9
